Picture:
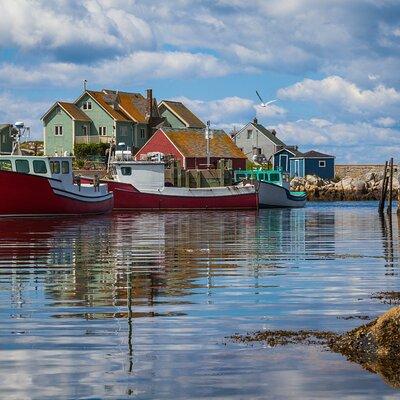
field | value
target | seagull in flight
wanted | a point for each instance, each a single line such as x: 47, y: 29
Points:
x: 263, y: 104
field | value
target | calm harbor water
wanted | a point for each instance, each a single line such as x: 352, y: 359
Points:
x: 139, y: 305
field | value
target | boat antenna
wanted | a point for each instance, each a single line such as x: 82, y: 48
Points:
x: 16, y: 132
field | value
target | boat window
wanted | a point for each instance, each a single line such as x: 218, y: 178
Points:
x: 5, y: 165
x: 126, y: 171
x: 274, y: 177
x: 39, y: 167
x: 65, y: 167
x: 55, y: 167
x: 22, y: 166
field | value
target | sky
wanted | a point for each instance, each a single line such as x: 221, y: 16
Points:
x: 332, y: 65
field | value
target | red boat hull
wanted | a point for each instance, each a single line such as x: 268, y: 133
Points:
x: 25, y: 194
x: 127, y: 197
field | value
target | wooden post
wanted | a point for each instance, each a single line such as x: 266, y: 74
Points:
x: 389, y: 208
x: 383, y: 195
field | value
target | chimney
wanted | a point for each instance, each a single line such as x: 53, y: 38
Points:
x: 149, y: 105
x: 255, y: 120
x: 273, y: 132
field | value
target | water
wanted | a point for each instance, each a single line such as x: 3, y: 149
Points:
x: 139, y: 305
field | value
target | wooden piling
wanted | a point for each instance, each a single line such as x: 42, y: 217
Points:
x: 383, y: 195
x: 389, y: 208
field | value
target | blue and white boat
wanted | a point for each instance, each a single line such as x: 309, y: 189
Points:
x: 273, y: 188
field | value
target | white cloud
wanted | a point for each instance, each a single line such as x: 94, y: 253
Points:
x: 386, y: 122
x: 231, y: 111
x: 132, y: 68
x: 337, y: 91
x: 14, y: 109
x: 353, y: 142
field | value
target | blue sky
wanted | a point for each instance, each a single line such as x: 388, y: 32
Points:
x: 333, y: 65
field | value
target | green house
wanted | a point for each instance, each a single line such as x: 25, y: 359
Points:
x: 5, y: 139
x: 100, y: 117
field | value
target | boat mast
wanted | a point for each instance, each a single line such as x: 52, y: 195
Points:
x: 16, y: 134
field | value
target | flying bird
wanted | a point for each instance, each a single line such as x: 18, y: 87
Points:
x: 263, y: 104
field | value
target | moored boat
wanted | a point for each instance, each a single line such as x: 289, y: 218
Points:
x: 38, y: 186
x: 273, y: 188
x: 139, y: 185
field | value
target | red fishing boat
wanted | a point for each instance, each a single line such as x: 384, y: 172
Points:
x: 140, y: 185
x: 33, y: 186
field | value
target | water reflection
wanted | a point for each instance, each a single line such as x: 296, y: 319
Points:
x: 139, y: 304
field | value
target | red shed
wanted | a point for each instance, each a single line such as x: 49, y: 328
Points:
x: 189, y: 146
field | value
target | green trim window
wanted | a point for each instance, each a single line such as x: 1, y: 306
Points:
x: 5, y: 165
x: 126, y: 171
x: 142, y: 133
x: 39, y: 167
x: 22, y: 166
x: 55, y: 167
x: 65, y: 167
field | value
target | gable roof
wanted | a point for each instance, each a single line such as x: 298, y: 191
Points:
x: 115, y: 113
x: 316, y: 154
x: 268, y: 134
x: 3, y: 126
x: 132, y: 104
x: 74, y: 111
x: 291, y: 150
x: 183, y: 113
x: 71, y: 109
x: 192, y: 143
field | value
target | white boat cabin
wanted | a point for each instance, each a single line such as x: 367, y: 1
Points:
x: 50, y: 167
x: 144, y: 175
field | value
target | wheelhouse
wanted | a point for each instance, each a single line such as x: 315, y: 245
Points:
x: 49, y: 167
x: 274, y: 176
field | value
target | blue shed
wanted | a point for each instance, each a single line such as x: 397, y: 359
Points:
x: 283, y: 156
x: 313, y: 163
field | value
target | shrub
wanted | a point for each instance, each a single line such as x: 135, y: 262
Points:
x: 86, y: 150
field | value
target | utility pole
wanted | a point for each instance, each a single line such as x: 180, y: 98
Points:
x: 208, y: 137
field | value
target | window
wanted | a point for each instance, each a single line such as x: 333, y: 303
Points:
x: 84, y: 130
x: 142, y: 133
x: 4, y: 139
x: 5, y: 165
x: 102, y: 130
x: 58, y: 130
x: 322, y: 163
x: 55, y: 167
x: 249, y: 133
x: 126, y: 171
x: 65, y: 167
x: 87, y: 105
x: 39, y: 167
x: 22, y: 166
x: 274, y: 177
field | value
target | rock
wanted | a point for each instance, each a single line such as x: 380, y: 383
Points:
x: 345, y: 184
x: 359, y: 186
x: 376, y: 346
x: 369, y: 176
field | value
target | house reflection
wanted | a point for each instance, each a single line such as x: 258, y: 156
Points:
x: 93, y: 262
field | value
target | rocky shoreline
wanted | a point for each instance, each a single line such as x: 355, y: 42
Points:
x: 368, y: 187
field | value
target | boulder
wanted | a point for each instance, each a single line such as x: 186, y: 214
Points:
x: 376, y: 346
x: 369, y: 176
x: 359, y: 185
